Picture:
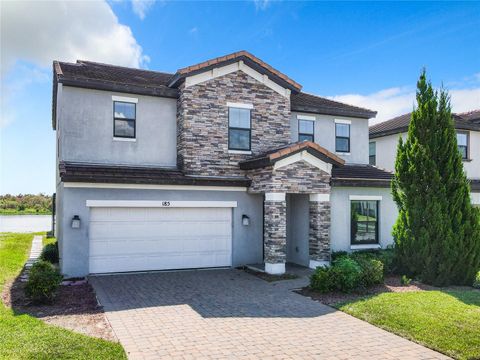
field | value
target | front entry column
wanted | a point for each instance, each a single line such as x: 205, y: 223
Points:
x: 319, y: 230
x: 275, y: 232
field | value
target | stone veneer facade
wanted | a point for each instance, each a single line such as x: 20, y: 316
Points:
x: 275, y: 231
x: 296, y: 178
x: 202, y: 150
x: 319, y: 231
x: 202, y: 123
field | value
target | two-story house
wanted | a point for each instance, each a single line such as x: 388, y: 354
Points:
x: 384, y: 140
x: 222, y: 164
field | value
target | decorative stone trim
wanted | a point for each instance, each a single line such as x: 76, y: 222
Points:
x: 319, y: 197
x: 274, y: 196
x: 319, y: 231
x: 275, y: 269
x: 275, y: 231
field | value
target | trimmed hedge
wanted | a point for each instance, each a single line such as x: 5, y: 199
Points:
x: 476, y: 283
x: 349, y: 272
x: 43, y: 282
x: 50, y: 253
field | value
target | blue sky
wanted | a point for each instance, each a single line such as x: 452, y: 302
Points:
x: 364, y: 53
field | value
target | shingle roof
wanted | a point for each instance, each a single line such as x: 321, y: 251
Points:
x: 123, y: 174
x: 399, y: 124
x: 244, y: 56
x: 94, y: 75
x: 315, y: 104
x: 360, y: 175
x: 272, y: 156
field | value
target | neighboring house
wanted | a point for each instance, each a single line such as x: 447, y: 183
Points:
x: 384, y: 140
x: 224, y: 163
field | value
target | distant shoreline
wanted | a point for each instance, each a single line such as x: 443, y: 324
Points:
x: 23, y: 213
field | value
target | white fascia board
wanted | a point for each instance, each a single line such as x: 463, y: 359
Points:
x: 275, y: 196
x: 228, y: 69
x: 160, y: 203
x: 343, y: 121
x: 306, y: 117
x: 365, y: 197
x: 152, y: 187
x: 308, y: 158
x: 124, y: 99
x: 239, y: 105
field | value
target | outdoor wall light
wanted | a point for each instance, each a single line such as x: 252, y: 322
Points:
x: 245, y: 220
x: 76, y: 222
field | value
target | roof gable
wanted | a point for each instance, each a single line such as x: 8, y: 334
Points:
x: 241, y: 56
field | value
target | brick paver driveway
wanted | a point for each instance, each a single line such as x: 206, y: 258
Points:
x: 231, y: 314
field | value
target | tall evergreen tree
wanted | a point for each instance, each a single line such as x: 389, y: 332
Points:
x: 437, y: 233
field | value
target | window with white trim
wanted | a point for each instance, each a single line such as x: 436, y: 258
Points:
x: 364, y: 222
x: 462, y: 143
x: 372, y: 153
x: 342, y: 137
x: 306, y: 130
x: 124, y: 119
x: 239, y: 129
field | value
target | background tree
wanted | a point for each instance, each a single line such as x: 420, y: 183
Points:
x: 437, y: 233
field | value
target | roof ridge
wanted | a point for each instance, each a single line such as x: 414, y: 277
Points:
x: 80, y: 61
x: 335, y: 101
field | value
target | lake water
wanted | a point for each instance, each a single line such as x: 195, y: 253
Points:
x: 25, y: 223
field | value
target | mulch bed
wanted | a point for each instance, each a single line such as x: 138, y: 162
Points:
x: 269, y: 277
x: 391, y: 284
x: 75, y: 308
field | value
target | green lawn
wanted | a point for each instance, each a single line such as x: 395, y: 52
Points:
x: 28, y: 211
x: 25, y: 337
x: 446, y: 321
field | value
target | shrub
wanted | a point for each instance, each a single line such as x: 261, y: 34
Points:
x: 320, y: 279
x: 50, y: 253
x: 345, y: 274
x: 43, y: 282
x: 338, y: 254
x: 372, y: 270
x: 405, y: 280
x: 476, y: 283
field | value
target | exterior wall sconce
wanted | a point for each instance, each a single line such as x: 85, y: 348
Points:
x: 245, y: 220
x: 76, y: 222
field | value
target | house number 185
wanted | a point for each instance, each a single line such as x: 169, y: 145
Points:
x: 165, y: 203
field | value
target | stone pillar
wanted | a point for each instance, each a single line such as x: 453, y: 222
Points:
x: 319, y: 230
x: 275, y: 232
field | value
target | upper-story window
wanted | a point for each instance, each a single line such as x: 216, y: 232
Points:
x: 124, y: 119
x: 462, y: 142
x: 372, y: 153
x: 306, y: 130
x: 239, y: 129
x: 342, y: 136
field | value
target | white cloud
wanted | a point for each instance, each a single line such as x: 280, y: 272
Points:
x: 193, y: 30
x: 141, y: 7
x: 400, y: 100
x: 39, y: 32
x: 261, y: 4
x: 34, y: 33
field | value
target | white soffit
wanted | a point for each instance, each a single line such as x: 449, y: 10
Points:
x: 151, y: 186
x: 308, y: 158
x: 230, y: 68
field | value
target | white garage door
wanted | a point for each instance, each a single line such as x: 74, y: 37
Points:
x: 136, y: 239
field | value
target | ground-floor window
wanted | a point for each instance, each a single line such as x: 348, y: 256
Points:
x: 364, y: 222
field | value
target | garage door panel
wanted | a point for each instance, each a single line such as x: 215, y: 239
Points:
x: 136, y: 239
